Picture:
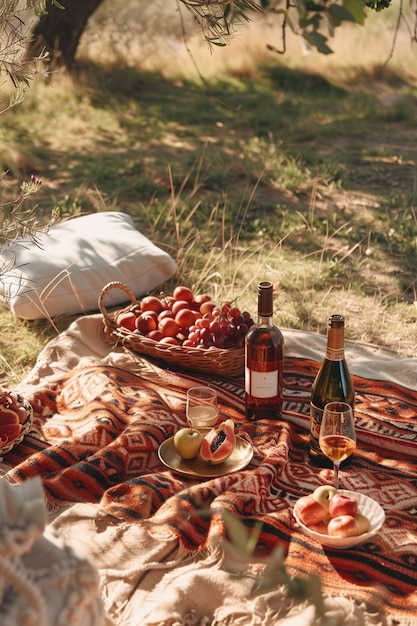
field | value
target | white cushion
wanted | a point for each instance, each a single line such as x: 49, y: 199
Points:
x: 77, y: 258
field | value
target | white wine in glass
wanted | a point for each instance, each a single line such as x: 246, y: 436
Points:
x: 337, y: 434
x: 202, y: 409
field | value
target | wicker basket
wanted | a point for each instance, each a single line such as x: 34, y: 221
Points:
x: 228, y: 362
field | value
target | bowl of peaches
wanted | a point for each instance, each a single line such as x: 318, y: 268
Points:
x: 338, y: 518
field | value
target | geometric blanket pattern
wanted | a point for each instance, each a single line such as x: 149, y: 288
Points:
x: 96, y: 434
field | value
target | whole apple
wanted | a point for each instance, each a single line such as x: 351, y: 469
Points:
x: 342, y: 504
x: 310, y: 511
x: 343, y: 526
x: 324, y: 494
x: 187, y: 442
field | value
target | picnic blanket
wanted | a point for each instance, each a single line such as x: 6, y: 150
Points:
x: 100, y: 415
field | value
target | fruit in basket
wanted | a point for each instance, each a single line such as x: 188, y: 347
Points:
x: 151, y: 303
x: 14, y: 409
x: 343, y: 504
x: 187, y: 442
x: 183, y: 293
x: 8, y: 433
x: 219, y: 443
x: 196, y: 321
x: 168, y: 327
x: 171, y: 341
x: 179, y: 305
x: 127, y: 319
x: 185, y: 318
x: 146, y: 323
x: 14, y: 413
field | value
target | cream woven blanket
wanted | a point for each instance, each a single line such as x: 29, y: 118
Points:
x: 152, y: 572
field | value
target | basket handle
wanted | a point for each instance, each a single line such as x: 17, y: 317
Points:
x: 115, y: 284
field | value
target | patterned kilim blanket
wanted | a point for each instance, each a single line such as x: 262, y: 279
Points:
x: 95, y: 438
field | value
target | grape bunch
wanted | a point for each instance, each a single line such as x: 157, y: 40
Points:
x: 185, y: 319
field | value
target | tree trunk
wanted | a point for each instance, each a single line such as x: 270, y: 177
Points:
x: 60, y: 30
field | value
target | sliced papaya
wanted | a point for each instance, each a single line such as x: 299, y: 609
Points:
x: 219, y: 443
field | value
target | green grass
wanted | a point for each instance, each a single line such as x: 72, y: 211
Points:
x: 289, y: 173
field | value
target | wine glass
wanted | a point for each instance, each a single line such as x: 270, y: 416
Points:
x: 202, y: 409
x: 337, y: 436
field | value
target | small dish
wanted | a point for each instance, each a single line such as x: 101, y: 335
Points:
x: 367, y: 506
x: 197, y: 468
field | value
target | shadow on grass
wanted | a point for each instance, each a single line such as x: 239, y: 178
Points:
x: 255, y: 148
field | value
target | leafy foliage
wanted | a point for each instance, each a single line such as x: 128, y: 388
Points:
x: 314, y: 20
x: 19, y: 222
x: 218, y: 18
x: 14, y: 38
x: 16, y: 220
x: 241, y: 544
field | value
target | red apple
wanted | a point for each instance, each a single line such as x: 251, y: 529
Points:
x: 310, y: 511
x: 342, y: 504
x: 343, y: 526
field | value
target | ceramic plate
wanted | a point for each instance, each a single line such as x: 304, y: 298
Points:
x: 367, y: 506
x: 197, y: 468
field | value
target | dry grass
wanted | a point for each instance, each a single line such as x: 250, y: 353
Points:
x: 249, y: 175
x: 157, y: 40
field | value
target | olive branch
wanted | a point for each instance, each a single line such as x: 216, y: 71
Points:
x: 240, y: 543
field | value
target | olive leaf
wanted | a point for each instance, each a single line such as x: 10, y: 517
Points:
x: 241, y: 542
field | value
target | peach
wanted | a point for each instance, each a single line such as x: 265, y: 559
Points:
x: 127, y: 319
x: 168, y: 327
x: 207, y: 307
x: 183, y: 293
x: 178, y: 305
x: 165, y: 313
x: 170, y: 340
x: 151, y: 303
x: 185, y: 318
x: 145, y: 323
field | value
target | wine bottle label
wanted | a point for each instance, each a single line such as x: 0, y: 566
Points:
x: 261, y: 384
x: 316, y: 417
x: 333, y: 354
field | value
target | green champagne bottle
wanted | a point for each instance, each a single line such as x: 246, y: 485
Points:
x: 332, y: 383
